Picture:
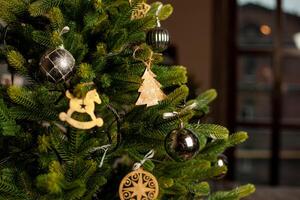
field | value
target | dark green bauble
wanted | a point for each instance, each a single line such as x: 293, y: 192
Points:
x: 158, y: 38
x: 182, y: 144
x: 57, y: 65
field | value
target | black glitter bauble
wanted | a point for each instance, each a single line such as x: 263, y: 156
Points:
x: 222, y: 161
x: 182, y: 144
x: 57, y: 65
x: 158, y: 38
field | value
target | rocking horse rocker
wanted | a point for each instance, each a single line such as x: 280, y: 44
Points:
x: 84, y: 105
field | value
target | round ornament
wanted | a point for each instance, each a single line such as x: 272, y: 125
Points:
x: 57, y: 65
x: 182, y: 144
x: 139, y: 185
x: 222, y: 161
x: 158, y: 38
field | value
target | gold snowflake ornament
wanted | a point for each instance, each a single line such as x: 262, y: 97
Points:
x: 138, y: 185
x: 140, y: 11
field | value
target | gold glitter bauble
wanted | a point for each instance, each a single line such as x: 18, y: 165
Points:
x: 138, y: 185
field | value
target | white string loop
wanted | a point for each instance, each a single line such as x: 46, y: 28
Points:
x: 148, y: 156
x: 65, y: 29
x: 157, y: 13
x: 158, y: 10
x: 168, y: 115
x: 103, y: 148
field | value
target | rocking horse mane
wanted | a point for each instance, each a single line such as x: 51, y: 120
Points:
x: 70, y: 96
x: 90, y: 92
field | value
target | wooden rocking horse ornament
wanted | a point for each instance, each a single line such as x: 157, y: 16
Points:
x: 84, y: 105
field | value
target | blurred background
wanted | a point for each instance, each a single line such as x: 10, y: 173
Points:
x: 249, y: 50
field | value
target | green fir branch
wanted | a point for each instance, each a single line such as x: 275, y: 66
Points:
x: 171, y: 76
x: 17, y: 61
x: 56, y: 18
x: 235, y: 194
x: 212, y: 131
x: 10, y: 10
x: 177, y: 96
x: 40, y: 7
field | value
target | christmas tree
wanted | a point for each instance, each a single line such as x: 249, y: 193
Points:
x: 76, y: 129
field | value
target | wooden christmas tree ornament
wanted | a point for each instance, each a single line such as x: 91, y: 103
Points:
x: 150, y: 92
x: 84, y: 105
x: 139, y: 185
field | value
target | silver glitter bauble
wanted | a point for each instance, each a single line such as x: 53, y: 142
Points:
x: 182, y: 144
x: 158, y: 38
x: 57, y: 65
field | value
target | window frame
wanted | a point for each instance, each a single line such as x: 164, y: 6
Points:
x: 226, y: 48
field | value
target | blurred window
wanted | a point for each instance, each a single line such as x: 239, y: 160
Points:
x: 268, y: 90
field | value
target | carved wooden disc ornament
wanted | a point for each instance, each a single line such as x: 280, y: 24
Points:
x: 138, y: 185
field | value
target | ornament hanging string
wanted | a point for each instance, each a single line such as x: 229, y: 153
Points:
x: 168, y: 115
x: 156, y: 14
x: 158, y: 10
x: 148, y: 156
x: 65, y: 29
x: 147, y: 62
x: 104, y: 148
